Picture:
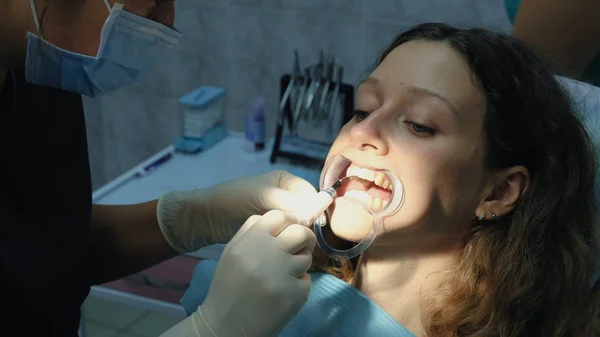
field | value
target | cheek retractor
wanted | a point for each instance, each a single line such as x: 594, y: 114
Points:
x: 334, y: 173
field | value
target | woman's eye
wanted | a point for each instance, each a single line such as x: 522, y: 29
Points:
x: 361, y: 115
x: 421, y: 129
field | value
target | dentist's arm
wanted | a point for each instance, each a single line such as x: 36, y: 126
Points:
x: 125, y: 240
x: 130, y: 238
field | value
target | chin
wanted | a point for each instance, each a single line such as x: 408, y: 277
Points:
x: 351, y: 222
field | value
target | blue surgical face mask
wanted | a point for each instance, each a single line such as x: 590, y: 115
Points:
x: 129, y: 47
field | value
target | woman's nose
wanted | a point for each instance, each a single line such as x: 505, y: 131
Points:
x: 368, y: 134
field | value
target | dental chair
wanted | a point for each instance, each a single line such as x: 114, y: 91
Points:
x: 586, y: 103
x: 327, y: 311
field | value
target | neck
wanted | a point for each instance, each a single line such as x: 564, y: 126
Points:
x: 395, y: 278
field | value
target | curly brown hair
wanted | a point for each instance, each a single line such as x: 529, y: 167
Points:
x: 530, y: 273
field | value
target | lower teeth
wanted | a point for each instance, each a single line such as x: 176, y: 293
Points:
x: 374, y: 204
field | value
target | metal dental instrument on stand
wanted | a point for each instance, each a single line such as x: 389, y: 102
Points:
x: 296, y: 88
x: 308, y: 112
x: 289, y: 93
x: 314, y: 105
x: 318, y: 77
x: 300, y: 101
x: 325, y: 93
x: 334, y: 105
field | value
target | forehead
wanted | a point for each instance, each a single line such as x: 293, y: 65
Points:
x: 434, y: 66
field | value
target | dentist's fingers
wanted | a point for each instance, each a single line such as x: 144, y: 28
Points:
x: 311, y: 210
x: 245, y: 227
x: 287, y: 191
x: 280, y: 199
x: 296, y: 238
x: 300, y: 242
x: 274, y: 222
x: 300, y: 263
x: 294, y: 184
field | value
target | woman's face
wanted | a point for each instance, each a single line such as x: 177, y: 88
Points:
x: 419, y: 115
x: 77, y: 28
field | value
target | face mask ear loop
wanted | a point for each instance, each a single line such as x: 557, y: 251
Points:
x: 107, y: 5
x: 35, y: 17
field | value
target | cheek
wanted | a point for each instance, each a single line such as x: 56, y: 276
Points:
x: 165, y: 16
x: 341, y: 142
x: 458, y: 183
x: 78, y: 29
x: 137, y: 7
x: 439, y: 183
x: 459, y: 187
x: 163, y: 13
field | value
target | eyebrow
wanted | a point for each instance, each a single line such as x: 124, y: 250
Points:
x: 375, y: 82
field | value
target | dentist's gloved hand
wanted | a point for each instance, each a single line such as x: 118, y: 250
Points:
x: 190, y: 220
x: 260, y: 283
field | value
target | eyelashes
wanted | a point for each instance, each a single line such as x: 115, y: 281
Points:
x: 421, y: 129
x: 416, y: 128
x: 361, y: 115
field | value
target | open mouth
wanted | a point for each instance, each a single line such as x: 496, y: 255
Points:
x: 370, y: 187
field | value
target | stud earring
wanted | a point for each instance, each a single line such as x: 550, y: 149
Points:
x: 494, y: 216
x: 482, y: 216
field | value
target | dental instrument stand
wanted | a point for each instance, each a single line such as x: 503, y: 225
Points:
x: 314, y: 151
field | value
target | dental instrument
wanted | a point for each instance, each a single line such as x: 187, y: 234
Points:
x: 287, y: 95
x: 314, y: 87
x: 319, y: 77
x: 323, y: 116
x: 335, y: 99
x: 319, y: 204
x: 300, y: 100
x: 304, y: 110
x: 336, y: 167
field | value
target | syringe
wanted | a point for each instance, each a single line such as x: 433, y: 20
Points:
x: 319, y: 204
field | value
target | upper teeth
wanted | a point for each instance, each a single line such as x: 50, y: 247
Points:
x: 379, y: 178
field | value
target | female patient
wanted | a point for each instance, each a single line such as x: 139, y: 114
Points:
x: 497, y: 234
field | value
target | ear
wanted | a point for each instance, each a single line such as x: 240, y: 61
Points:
x: 503, y: 193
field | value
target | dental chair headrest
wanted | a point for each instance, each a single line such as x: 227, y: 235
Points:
x: 586, y: 103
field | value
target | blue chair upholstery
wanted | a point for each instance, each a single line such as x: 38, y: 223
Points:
x: 586, y: 101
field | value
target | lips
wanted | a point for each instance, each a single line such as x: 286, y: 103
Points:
x: 371, y: 187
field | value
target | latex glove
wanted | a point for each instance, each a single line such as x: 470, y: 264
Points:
x: 190, y: 220
x: 260, y: 283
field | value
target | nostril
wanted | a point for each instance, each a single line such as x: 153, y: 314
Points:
x: 366, y: 147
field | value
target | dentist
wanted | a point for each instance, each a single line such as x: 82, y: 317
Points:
x: 54, y: 244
